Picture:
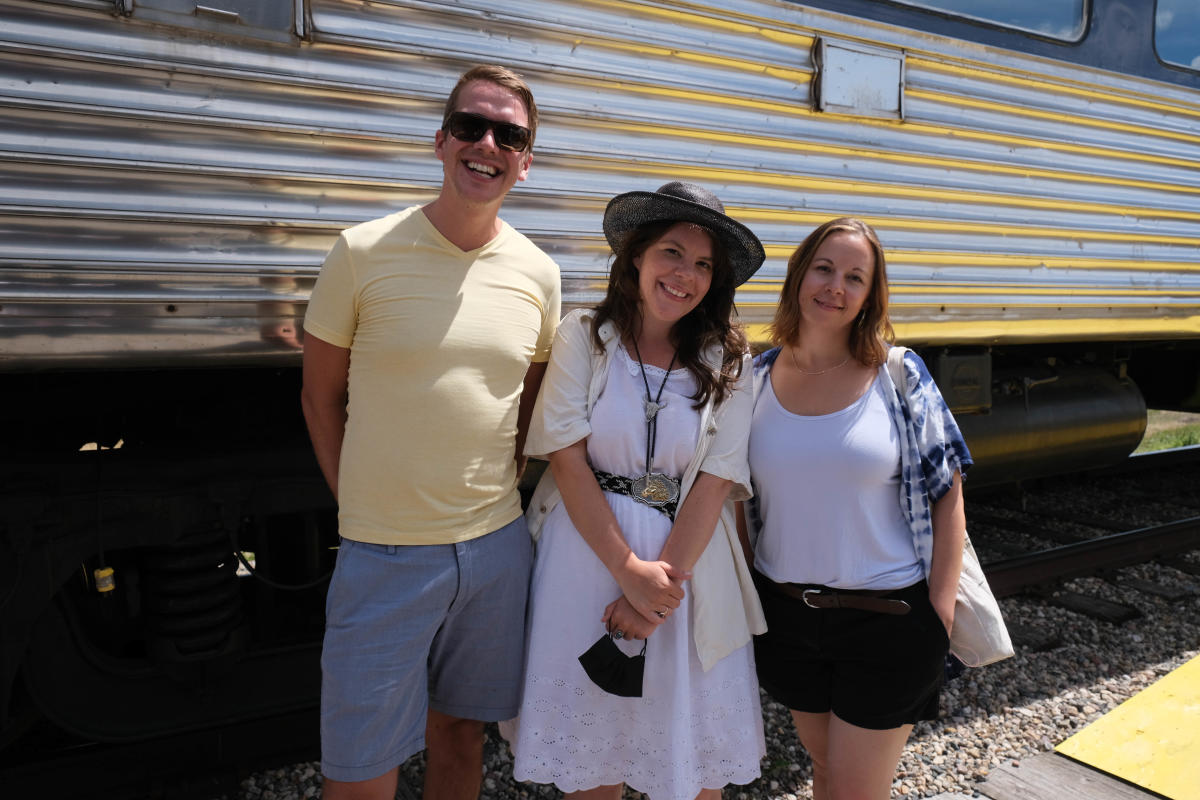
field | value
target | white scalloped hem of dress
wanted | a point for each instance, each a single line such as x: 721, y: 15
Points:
x: 654, y: 792
x: 560, y: 764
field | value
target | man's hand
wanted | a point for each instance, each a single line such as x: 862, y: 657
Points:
x: 323, y: 398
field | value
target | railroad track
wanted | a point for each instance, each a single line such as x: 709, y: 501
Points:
x: 1011, y: 576
x: 1092, y: 524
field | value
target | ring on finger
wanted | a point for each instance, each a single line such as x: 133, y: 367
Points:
x: 618, y: 634
x: 661, y: 614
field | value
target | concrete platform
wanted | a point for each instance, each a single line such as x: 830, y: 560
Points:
x: 1151, y: 740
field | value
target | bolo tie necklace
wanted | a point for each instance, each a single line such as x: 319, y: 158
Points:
x: 653, y: 488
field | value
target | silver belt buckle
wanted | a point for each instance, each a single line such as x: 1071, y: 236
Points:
x: 654, y: 489
x: 804, y: 596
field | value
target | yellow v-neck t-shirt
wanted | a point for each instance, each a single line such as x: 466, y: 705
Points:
x: 440, y: 340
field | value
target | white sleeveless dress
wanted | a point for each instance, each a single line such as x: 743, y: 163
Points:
x: 690, y: 729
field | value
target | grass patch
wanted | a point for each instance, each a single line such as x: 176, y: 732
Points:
x: 1183, y: 436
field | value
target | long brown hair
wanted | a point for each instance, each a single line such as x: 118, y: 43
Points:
x: 872, y: 329
x: 707, y: 324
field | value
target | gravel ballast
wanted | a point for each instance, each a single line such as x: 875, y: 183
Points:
x: 990, y: 716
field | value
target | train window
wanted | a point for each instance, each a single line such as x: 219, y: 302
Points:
x: 1058, y: 19
x: 1177, y: 32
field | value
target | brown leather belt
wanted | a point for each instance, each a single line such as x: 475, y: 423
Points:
x: 860, y: 599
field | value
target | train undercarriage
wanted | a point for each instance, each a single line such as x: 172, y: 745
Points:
x: 167, y: 536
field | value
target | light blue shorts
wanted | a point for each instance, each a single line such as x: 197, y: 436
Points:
x: 413, y: 627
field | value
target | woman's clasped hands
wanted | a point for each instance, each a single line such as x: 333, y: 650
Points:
x: 651, y: 590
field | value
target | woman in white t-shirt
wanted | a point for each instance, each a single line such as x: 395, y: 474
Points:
x: 858, y: 605
x: 644, y: 414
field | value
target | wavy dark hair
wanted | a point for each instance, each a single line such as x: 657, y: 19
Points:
x: 872, y: 329
x: 710, y: 322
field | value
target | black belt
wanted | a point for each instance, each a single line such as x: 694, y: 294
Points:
x: 619, y: 484
x: 824, y: 597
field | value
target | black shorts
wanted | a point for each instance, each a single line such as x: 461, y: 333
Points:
x: 876, y: 671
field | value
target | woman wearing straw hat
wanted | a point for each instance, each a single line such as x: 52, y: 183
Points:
x: 639, y: 669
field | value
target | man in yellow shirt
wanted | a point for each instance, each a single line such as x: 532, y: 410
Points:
x: 426, y: 340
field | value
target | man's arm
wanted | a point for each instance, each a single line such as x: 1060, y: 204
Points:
x: 323, y: 398
x: 529, y: 393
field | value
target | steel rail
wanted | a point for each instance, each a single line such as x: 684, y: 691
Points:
x: 1011, y: 576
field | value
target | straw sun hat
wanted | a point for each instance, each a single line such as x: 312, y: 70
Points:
x: 685, y: 202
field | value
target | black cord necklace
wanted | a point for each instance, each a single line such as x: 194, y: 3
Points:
x: 653, y: 488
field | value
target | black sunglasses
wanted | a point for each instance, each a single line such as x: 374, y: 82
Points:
x: 468, y: 127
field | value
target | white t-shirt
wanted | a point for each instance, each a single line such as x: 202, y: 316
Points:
x: 827, y: 489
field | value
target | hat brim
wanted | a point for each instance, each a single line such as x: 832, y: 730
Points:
x: 629, y: 211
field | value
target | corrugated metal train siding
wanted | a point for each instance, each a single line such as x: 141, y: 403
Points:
x: 168, y: 198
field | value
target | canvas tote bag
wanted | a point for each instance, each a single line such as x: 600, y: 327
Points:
x: 979, y: 636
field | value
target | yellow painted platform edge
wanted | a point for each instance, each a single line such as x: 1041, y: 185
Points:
x: 1152, y: 739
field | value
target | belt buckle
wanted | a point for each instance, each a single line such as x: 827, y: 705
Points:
x: 804, y: 596
x: 654, y: 489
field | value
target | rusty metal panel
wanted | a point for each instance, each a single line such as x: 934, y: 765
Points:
x: 169, y: 195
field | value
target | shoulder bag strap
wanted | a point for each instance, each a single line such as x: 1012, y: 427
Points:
x: 895, y: 365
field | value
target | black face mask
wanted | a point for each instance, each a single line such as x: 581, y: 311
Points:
x: 612, y: 670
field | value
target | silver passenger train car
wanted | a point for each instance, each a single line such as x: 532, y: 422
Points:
x: 172, y: 173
